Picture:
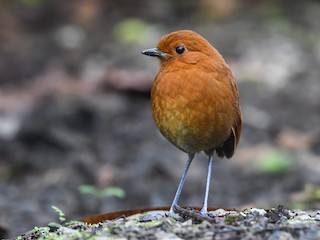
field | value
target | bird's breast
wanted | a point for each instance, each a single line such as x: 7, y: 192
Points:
x: 189, y: 114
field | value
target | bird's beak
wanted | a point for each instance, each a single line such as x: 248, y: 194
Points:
x: 154, y: 52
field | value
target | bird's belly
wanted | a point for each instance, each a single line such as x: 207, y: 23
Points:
x: 191, y: 127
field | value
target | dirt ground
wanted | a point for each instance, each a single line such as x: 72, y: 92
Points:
x: 75, y: 110
x: 275, y: 223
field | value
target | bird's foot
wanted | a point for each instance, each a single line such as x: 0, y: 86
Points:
x: 173, y: 210
x: 204, y: 211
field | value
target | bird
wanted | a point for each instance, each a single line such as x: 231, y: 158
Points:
x: 195, y: 101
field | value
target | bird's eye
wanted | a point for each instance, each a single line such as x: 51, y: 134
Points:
x: 180, y: 49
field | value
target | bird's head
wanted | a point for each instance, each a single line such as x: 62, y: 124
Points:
x: 183, y: 46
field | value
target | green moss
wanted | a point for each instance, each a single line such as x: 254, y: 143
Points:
x: 275, y: 162
x: 130, y: 31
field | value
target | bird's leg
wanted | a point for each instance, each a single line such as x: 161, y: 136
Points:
x: 204, y: 209
x: 183, y: 178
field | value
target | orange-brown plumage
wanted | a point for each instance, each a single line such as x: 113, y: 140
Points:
x: 195, y: 100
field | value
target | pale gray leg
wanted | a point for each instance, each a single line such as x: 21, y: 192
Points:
x: 183, y: 178
x: 204, y: 209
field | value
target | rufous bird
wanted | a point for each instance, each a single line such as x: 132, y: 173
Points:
x: 195, y: 101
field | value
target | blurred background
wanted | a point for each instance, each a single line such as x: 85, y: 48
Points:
x: 76, y: 130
